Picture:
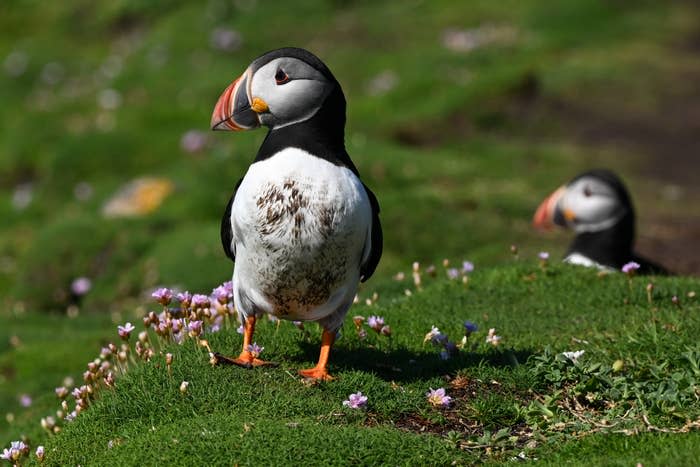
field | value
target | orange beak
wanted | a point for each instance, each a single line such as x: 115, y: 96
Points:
x: 233, y: 110
x: 547, y: 214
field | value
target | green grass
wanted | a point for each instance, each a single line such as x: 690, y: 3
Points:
x: 459, y: 153
x: 513, y: 398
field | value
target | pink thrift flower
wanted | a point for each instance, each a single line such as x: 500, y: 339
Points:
x: 255, y: 349
x: 630, y: 268
x: 25, y: 400
x: 200, y: 301
x: 125, y: 331
x: 375, y: 322
x: 438, y: 397
x: 467, y: 267
x: 356, y: 401
x: 184, y: 298
x: 39, y: 453
x: 195, y: 328
x: 163, y: 296
x: 543, y: 255
x: 81, y: 286
x: 452, y: 273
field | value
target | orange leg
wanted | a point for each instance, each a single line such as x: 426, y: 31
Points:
x: 320, y: 371
x: 246, y: 359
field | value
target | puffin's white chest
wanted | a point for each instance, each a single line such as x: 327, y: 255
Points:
x: 300, y: 225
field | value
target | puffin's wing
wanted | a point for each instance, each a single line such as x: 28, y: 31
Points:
x: 374, y: 241
x: 227, y: 228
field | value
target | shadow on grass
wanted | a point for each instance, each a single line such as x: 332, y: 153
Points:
x: 404, y: 365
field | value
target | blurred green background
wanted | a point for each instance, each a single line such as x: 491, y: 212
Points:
x: 462, y: 116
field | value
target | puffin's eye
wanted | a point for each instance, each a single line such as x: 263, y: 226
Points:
x: 587, y: 191
x: 281, y: 77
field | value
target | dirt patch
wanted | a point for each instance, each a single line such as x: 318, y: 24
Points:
x: 456, y: 419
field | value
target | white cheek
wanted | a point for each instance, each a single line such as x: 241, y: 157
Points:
x: 296, y: 100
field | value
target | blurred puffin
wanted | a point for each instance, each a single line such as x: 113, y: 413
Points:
x: 597, y: 206
x: 301, y: 227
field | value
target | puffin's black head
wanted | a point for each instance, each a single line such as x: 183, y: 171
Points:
x: 592, y: 202
x: 280, y: 88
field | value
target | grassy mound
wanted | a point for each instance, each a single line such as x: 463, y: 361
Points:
x: 523, y: 397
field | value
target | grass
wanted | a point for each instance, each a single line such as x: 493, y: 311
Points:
x: 459, y: 151
x: 521, y: 396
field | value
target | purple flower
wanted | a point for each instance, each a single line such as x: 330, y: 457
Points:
x: 125, y: 331
x: 194, y: 327
x: 470, y: 327
x: 25, y: 400
x: 255, y: 349
x: 467, y: 267
x: 163, y: 296
x: 223, y: 294
x: 438, y: 398
x: 200, y: 301
x: 452, y: 273
x: 81, y: 286
x: 356, y: 401
x: 7, y: 454
x: 240, y: 329
x: 184, y: 298
x: 40, y: 453
x: 193, y: 141
x: 61, y: 392
x: 543, y: 255
x: 375, y: 322
x: 451, y: 348
x: 630, y: 268
x: 226, y: 40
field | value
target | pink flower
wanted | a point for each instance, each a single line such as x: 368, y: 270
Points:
x: 438, y: 397
x: 543, y: 255
x: 630, y: 268
x: 375, y: 322
x: 195, y: 328
x: 452, y: 273
x: 223, y: 293
x: 40, y: 453
x: 81, y: 286
x: 200, y: 301
x: 163, y: 296
x: 356, y: 401
x: 467, y: 267
x: 25, y: 400
x: 184, y: 298
x: 61, y: 392
x: 194, y: 141
x: 125, y: 331
x: 255, y: 349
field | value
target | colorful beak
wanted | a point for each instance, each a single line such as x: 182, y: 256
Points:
x: 549, y: 213
x: 233, y: 110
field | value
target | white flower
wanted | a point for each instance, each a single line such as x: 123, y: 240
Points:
x: 574, y: 356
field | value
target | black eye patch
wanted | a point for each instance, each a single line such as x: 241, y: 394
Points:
x: 281, y: 77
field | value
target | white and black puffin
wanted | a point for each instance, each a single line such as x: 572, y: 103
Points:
x: 598, y: 208
x: 301, y: 227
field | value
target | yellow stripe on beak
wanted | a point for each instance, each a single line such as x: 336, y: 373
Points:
x: 259, y: 105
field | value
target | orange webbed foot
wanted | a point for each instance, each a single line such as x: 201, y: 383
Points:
x: 319, y: 374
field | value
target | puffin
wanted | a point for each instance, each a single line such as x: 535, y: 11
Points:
x: 301, y: 227
x: 598, y: 208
